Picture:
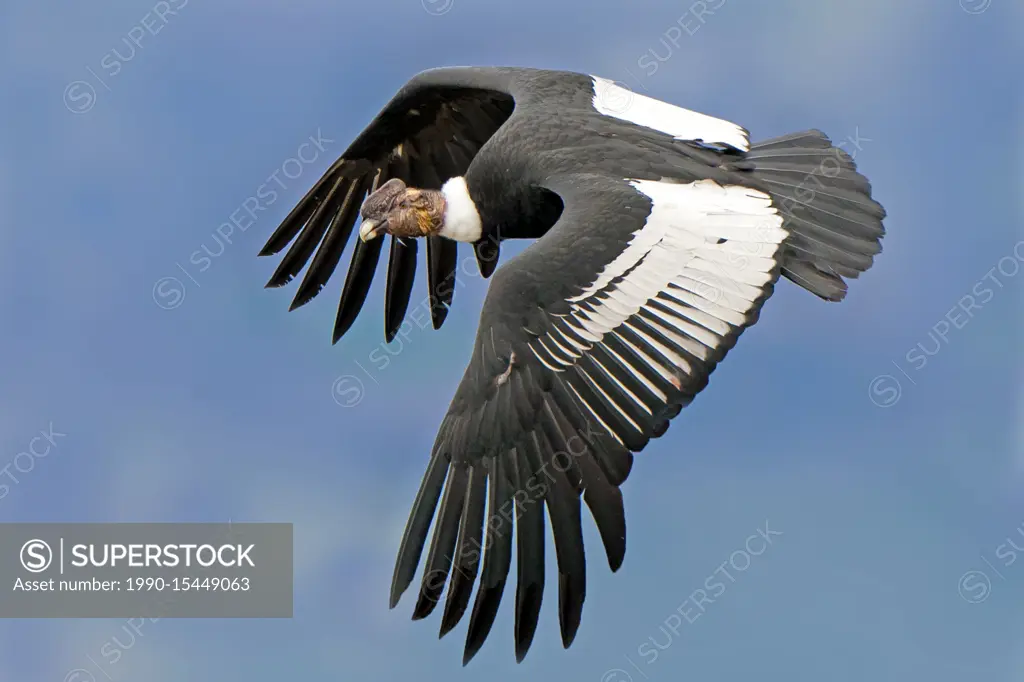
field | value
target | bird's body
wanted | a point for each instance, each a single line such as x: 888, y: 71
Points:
x: 659, y: 234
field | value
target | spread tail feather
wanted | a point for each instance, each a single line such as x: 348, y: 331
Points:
x: 835, y: 226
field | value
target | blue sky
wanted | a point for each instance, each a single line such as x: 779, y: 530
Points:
x: 115, y: 168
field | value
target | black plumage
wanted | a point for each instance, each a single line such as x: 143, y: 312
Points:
x: 660, y: 233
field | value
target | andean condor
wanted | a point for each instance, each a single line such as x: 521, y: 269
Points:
x: 659, y: 234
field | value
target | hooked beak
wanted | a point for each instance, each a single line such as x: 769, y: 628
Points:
x: 370, y: 229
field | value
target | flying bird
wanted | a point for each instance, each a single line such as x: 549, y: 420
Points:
x: 658, y: 235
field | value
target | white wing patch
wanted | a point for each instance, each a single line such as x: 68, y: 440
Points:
x: 689, y: 277
x: 624, y: 104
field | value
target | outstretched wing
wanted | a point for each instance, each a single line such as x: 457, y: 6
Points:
x: 590, y: 341
x: 429, y: 132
